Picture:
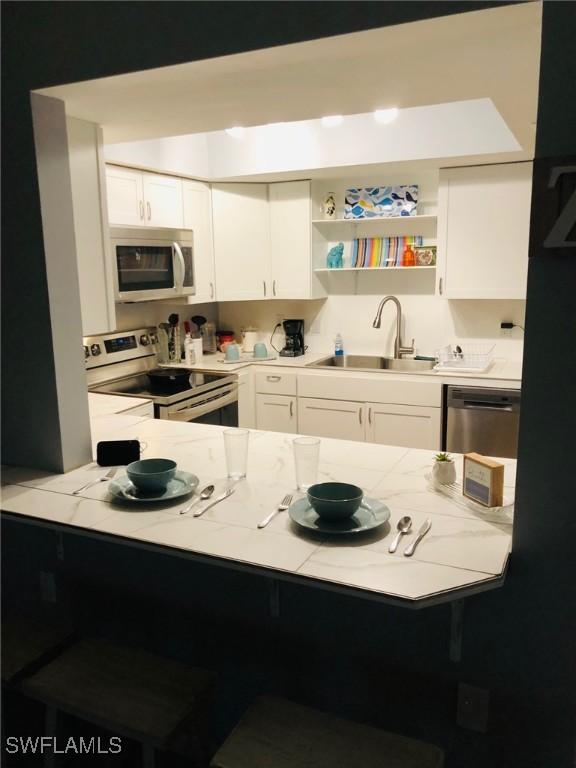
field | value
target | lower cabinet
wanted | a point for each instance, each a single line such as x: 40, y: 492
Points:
x: 276, y: 413
x: 411, y: 426
x: 405, y: 425
x: 342, y: 419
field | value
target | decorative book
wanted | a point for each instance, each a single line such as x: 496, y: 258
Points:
x: 483, y: 480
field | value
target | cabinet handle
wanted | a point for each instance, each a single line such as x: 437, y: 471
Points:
x: 440, y: 287
x: 264, y: 284
x: 141, y: 204
x: 291, y: 408
x: 274, y: 287
x: 211, y: 290
x: 369, y: 415
x: 360, y: 414
x: 273, y: 378
x: 149, y: 208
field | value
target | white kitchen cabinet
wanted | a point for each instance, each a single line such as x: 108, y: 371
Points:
x: 197, y: 204
x: 143, y: 199
x: 241, y: 241
x: 290, y: 240
x: 276, y: 413
x: 341, y: 419
x: 406, y: 425
x: 483, y: 231
x: 246, y: 400
x: 125, y: 192
x: 95, y: 273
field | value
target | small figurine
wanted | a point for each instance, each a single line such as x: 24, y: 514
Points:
x: 335, y: 258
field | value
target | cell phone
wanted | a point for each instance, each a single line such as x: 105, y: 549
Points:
x: 113, y: 453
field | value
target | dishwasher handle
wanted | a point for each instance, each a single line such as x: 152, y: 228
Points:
x: 479, y: 406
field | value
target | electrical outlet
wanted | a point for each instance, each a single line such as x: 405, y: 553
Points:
x: 506, y: 329
x: 473, y: 708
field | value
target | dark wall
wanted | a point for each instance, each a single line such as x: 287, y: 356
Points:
x: 519, y: 640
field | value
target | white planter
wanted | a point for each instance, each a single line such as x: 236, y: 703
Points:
x: 444, y: 472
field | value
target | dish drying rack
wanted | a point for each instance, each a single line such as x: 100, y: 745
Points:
x: 502, y: 514
x: 473, y: 358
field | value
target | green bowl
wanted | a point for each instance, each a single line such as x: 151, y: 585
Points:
x: 151, y: 475
x: 335, y: 501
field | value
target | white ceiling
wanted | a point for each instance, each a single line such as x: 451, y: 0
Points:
x: 493, y: 54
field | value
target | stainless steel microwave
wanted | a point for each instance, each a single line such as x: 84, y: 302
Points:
x: 152, y: 263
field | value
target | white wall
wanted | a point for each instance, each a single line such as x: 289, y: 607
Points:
x: 147, y: 313
x: 182, y: 155
x: 431, y: 321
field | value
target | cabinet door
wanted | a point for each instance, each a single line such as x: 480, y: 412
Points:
x: 163, y: 200
x: 198, y: 218
x: 95, y: 273
x: 241, y: 241
x: 277, y: 413
x: 125, y: 196
x: 246, y: 402
x: 342, y: 419
x: 483, y: 230
x: 290, y: 239
x: 410, y: 426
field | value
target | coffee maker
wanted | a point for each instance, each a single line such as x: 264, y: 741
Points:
x: 294, y: 346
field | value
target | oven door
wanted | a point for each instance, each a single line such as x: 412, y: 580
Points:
x: 152, y: 264
x: 217, y: 406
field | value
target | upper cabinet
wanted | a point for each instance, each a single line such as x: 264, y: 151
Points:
x: 483, y: 231
x: 241, y: 241
x: 143, y: 199
x: 198, y: 217
x: 290, y: 240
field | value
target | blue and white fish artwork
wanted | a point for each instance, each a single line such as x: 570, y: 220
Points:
x: 379, y: 202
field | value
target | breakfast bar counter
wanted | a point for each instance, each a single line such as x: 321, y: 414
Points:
x: 465, y: 552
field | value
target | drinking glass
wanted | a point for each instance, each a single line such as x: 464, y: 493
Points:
x: 236, y: 447
x: 306, y: 452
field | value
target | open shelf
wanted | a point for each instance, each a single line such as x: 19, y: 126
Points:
x: 423, y: 219
x: 368, y: 269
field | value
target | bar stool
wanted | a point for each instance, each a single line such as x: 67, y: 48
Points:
x: 163, y: 704
x: 276, y: 733
x: 28, y: 642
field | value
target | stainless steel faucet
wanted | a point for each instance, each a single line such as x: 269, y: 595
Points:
x: 399, y: 350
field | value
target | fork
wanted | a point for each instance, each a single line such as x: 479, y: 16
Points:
x: 284, y: 504
x: 108, y: 476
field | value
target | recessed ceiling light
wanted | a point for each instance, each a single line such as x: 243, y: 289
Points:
x: 331, y: 121
x: 237, y: 132
x: 386, y: 115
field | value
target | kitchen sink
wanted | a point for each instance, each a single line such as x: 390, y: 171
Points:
x: 373, y: 363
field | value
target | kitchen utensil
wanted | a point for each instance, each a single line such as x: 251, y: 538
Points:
x: 199, y: 321
x: 370, y: 515
x: 249, y: 339
x: 205, y: 493
x: 225, y: 495
x: 306, y: 453
x: 236, y: 448
x: 108, y: 476
x: 167, y: 379
x: 182, y: 484
x: 404, y: 525
x: 282, y: 507
x: 260, y: 350
x: 174, y: 342
x: 224, y: 337
x: 232, y: 352
x: 335, y: 501
x: 151, y: 475
x: 410, y: 549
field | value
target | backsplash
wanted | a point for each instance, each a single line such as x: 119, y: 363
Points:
x: 431, y: 321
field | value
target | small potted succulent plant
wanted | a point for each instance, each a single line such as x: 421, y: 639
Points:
x: 444, y: 469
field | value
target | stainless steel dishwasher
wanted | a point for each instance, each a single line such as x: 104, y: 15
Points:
x: 482, y: 419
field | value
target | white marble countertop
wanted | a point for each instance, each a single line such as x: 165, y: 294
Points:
x: 464, y: 549
x: 502, y: 372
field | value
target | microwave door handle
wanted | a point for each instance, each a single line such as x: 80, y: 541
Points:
x: 182, y: 267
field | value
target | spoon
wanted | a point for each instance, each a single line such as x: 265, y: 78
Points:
x: 205, y: 493
x: 404, y: 525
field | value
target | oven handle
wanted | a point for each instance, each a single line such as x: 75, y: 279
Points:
x: 179, y: 284
x: 189, y: 414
